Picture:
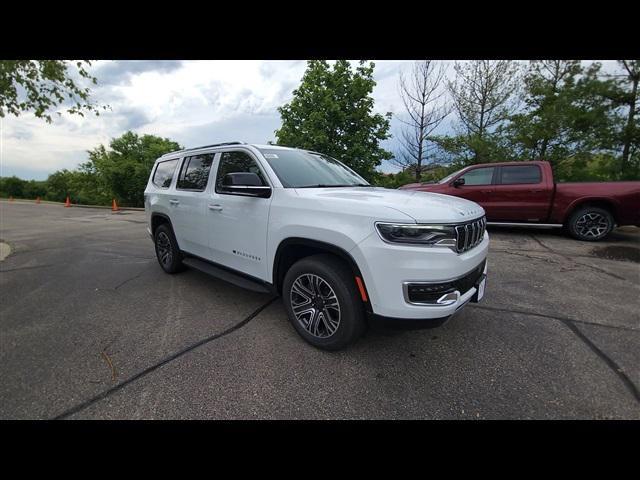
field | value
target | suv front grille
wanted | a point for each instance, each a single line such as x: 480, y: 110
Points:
x: 470, y: 234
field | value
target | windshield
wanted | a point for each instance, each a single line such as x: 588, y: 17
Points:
x: 448, y: 178
x: 301, y: 169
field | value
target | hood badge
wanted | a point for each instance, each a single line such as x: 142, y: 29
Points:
x: 467, y: 213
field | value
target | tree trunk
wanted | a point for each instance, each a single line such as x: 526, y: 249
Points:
x: 543, y: 148
x: 629, y: 128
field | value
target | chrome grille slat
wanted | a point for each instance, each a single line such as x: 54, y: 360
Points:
x: 470, y: 234
x: 467, y: 236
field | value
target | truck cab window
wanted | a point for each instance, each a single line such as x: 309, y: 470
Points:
x: 515, y: 174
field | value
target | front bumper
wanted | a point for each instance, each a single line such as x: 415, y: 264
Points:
x: 387, y: 269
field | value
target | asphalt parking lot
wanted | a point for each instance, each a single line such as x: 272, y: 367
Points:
x: 91, y: 328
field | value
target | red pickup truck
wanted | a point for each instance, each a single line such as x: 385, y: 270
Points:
x: 517, y: 193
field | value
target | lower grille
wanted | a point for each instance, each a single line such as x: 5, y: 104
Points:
x: 464, y: 284
x: 431, y: 292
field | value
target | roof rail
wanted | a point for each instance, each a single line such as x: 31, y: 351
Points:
x: 206, y: 146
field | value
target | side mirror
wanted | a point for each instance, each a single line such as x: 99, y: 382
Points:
x: 245, y: 183
x: 458, y: 181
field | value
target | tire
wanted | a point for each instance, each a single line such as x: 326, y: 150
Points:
x: 590, y: 224
x: 339, y: 300
x: 167, y: 251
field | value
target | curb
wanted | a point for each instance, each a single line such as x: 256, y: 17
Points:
x: 33, y: 202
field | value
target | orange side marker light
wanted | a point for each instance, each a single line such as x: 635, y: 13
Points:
x: 363, y: 292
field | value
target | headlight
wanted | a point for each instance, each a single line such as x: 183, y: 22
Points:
x: 435, y: 235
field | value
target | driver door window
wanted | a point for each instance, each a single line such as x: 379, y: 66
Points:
x: 236, y: 162
x: 478, y: 176
x: 478, y: 187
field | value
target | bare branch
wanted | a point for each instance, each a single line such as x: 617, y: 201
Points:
x: 422, y: 96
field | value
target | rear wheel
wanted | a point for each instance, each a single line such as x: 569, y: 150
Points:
x: 590, y: 224
x: 323, y: 303
x: 167, y: 250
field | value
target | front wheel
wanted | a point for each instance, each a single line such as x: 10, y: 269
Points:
x: 590, y: 224
x: 323, y: 303
x: 167, y: 250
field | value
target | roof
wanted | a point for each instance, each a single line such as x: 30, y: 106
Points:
x: 227, y: 144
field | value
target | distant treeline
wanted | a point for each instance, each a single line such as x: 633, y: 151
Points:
x: 584, y: 121
x: 119, y: 172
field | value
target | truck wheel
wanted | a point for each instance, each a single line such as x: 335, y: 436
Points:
x: 590, y: 224
x: 322, y: 302
x: 167, y: 250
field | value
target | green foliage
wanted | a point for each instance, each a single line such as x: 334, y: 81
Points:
x: 622, y: 91
x: 39, y: 86
x: 332, y: 112
x: 585, y: 123
x: 122, y: 170
x: 564, y: 116
x: 18, y: 188
x: 119, y: 172
x: 482, y: 94
x: 12, y: 187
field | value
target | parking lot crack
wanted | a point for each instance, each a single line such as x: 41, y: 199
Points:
x: 613, y: 366
x: 553, y: 317
x: 569, y: 259
x: 571, y: 325
x: 161, y: 363
x: 26, y: 268
x: 138, y: 275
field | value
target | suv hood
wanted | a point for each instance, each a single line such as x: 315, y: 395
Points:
x: 423, y: 207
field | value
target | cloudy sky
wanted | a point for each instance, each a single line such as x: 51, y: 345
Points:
x: 191, y: 102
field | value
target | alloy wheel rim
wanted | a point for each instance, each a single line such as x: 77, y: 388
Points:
x: 164, y: 249
x: 315, y: 305
x: 592, y: 225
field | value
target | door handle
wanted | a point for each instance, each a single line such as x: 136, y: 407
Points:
x: 535, y: 191
x: 486, y: 191
x: 217, y: 207
x: 174, y: 202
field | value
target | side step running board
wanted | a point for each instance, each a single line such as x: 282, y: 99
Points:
x: 225, y: 275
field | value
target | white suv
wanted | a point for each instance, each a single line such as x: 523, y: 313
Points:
x: 302, y: 225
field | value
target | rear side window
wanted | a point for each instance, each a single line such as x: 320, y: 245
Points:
x: 195, y: 172
x: 164, y: 173
x: 478, y: 176
x: 237, y: 162
x: 515, y: 174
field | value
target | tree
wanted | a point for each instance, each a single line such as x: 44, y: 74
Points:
x: 482, y: 95
x: 12, y: 187
x: 421, y: 96
x: 564, y: 115
x: 124, y: 168
x: 332, y: 112
x: 622, y: 91
x: 631, y: 133
x: 41, y: 85
x: 59, y: 185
